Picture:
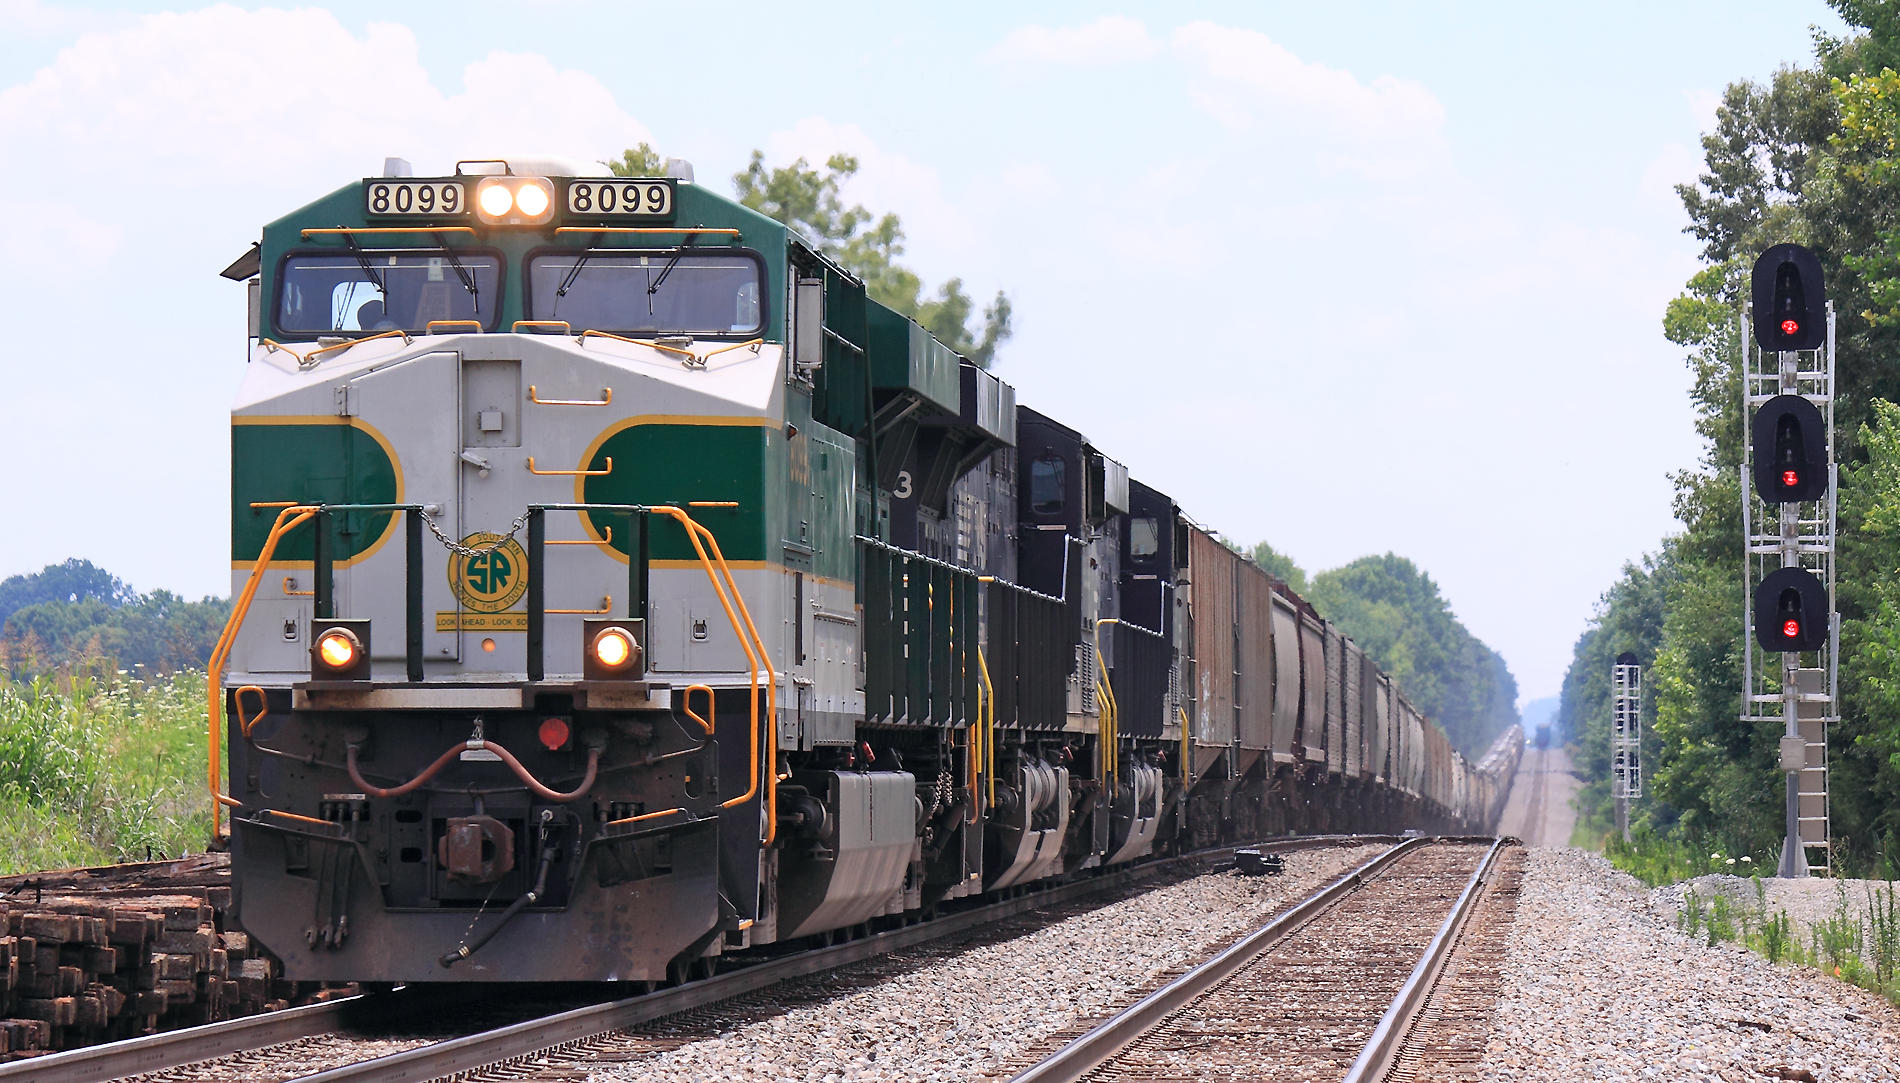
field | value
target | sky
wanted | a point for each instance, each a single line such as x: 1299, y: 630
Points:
x: 1347, y: 278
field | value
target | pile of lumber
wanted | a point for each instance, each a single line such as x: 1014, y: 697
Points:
x: 101, y: 954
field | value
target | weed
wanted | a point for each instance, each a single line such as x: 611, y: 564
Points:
x: 1776, y: 938
x: 1721, y: 923
x: 1690, y: 920
x: 1883, y: 920
x: 100, y: 768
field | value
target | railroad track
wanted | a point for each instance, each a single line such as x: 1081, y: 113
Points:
x: 1534, y: 807
x: 1328, y: 990
x: 293, y: 1043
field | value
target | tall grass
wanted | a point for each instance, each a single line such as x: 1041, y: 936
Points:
x: 100, y: 769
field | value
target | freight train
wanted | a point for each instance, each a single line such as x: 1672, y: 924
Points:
x: 619, y: 586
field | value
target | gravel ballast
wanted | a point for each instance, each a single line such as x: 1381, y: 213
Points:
x: 967, y: 1015
x: 1599, y: 984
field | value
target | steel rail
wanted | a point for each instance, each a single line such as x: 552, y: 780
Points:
x: 1082, y: 1056
x: 176, y: 1048
x: 1382, y: 1050
x: 555, y: 1032
x: 155, y: 1052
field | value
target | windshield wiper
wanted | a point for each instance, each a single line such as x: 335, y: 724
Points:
x: 362, y: 260
x: 654, y: 286
x: 468, y: 280
x: 567, y: 280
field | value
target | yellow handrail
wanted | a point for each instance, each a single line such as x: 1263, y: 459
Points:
x: 606, y: 607
x: 712, y: 503
x: 694, y: 532
x: 347, y: 343
x: 752, y: 660
x: 606, y: 396
x: 273, y: 345
x: 349, y: 231
x: 291, y: 591
x: 566, y: 327
x: 1105, y: 700
x: 583, y: 473
x: 662, y: 347
x: 287, y: 520
x: 771, y: 688
x: 246, y: 724
x: 711, y: 721
x: 724, y: 231
x: 710, y: 354
x: 988, y: 717
x: 642, y: 816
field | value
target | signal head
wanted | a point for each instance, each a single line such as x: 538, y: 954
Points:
x: 1789, y: 439
x: 1790, y: 299
x: 1791, y: 611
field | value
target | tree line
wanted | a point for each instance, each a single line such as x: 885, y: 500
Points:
x: 77, y: 616
x: 1395, y: 613
x: 1812, y: 156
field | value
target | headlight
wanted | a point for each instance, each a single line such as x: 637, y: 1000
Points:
x: 514, y: 201
x: 339, y: 650
x: 613, y: 650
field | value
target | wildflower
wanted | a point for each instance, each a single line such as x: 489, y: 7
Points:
x: 1731, y: 861
x: 1747, y: 860
x: 1715, y: 857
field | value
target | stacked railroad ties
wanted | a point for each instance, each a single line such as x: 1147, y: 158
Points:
x: 100, y: 955
x: 1788, y: 453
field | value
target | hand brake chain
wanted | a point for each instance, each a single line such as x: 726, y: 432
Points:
x: 471, y: 551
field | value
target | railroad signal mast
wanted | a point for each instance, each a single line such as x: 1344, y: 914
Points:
x: 1626, y: 737
x: 1789, y: 534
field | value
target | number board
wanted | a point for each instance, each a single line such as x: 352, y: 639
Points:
x: 642, y: 198
x: 416, y: 199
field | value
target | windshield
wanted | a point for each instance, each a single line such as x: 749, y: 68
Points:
x: 383, y: 291
x: 694, y: 293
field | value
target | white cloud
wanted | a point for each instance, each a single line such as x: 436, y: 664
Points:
x: 943, y: 235
x: 1111, y: 39
x: 1247, y: 81
x: 188, y: 99
x: 34, y: 19
x: 174, y: 138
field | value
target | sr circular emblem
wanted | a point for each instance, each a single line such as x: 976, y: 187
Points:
x: 493, y: 581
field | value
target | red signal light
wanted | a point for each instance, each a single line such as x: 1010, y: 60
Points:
x: 553, y: 734
x: 1790, y: 327
x: 1790, y: 478
x: 1791, y: 629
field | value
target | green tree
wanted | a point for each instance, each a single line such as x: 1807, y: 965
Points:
x: 640, y: 161
x: 869, y: 245
x: 71, y: 581
x: 1808, y: 156
x: 1396, y: 614
x: 1279, y: 565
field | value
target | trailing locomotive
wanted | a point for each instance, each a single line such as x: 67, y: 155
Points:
x: 619, y: 586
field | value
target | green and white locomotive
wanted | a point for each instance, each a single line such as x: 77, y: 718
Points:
x: 618, y: 586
